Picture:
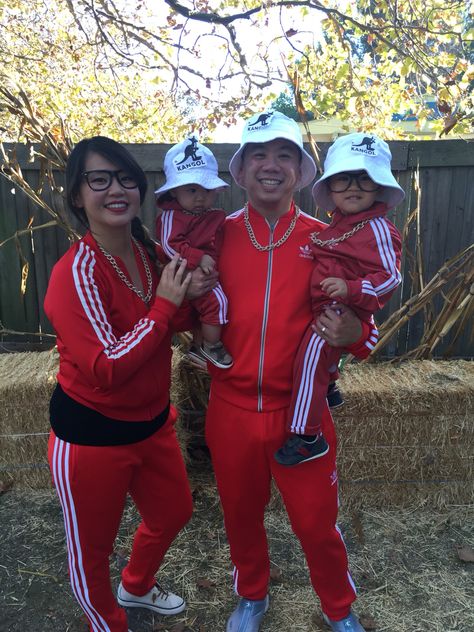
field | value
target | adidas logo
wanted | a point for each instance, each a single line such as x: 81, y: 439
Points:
x: 305, y: 252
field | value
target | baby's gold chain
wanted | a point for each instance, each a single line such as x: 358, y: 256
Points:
x: 336, y: 240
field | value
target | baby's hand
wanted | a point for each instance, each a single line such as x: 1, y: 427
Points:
x: 207, y: 264
x: 334, y: 287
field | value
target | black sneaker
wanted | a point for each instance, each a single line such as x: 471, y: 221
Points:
x: 296, y: 450
x: 334, y: 396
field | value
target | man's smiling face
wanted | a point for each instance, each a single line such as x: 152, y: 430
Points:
x: 270, y: 173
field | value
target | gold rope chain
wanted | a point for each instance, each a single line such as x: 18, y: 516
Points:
x: 145, y: 298
x: 336, y: 240
x: 186, y: 212
x: 276, y: 244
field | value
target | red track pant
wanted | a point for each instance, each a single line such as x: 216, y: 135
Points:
x: 242, y: 444
x: 92, y: 484
x: 315, y: 362
x: 212, y: 307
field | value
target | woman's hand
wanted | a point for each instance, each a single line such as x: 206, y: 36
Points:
x: 339, y: 326
x: 201, y: 283
x: 174, y: 281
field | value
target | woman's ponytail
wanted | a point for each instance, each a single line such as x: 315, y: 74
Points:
x: 141, y: 233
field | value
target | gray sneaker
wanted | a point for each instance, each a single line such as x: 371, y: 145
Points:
x: 248, y: 615
x: 196, y: 357
x: 348, y: 624
x: 156, y: 599
x: 217, y: 354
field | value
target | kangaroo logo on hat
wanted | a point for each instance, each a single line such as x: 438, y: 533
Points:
x: 190, y: 154
x: 262, y: 121
x: 368, y: 142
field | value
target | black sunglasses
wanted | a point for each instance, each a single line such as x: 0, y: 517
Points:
x: 340, y: 182
x: 101, y: 179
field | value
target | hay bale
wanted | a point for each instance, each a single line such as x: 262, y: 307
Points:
x: 405, y: 433
x: 26, y: 383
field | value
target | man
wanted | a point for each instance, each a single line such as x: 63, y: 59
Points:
x: 265, y: 269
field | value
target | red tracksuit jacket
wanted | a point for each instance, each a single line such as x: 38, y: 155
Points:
x: 192, y: 236
x: 369, y: 261
x: 268, y: 317
x: 114, y: 351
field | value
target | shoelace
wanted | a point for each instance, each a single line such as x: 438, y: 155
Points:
x: 161, y: 593
x: 219, y: 350
x: 289, y: 445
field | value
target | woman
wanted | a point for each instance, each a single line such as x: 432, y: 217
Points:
x: 112, y: 423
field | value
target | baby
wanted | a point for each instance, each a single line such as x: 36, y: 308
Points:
x: 189, y: 225
x: 358, y: 264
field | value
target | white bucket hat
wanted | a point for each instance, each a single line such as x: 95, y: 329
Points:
x: 356, y: 152
x: 267, y: 126
x: 189, y: 162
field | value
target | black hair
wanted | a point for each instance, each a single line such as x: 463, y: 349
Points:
x: 164, y: 197
x: 118, y: 155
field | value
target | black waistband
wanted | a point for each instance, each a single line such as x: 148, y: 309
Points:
x: 75, y: 423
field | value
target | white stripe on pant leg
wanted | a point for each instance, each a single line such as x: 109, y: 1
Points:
x: 235, y: 580
x: 302, y: 390
x: 222, y: 301
x: 305, y: 391
x: 59, y: 447
x: 72, y: 537
x: 60, y: 477
x: 102, y: 624
x: 349, y: 577
x: 314, y: 368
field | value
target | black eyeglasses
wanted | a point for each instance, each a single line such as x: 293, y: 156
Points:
x: 340, y: 182
x: 101, y: 179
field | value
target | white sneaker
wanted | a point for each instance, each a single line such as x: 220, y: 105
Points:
x: 156, y: 599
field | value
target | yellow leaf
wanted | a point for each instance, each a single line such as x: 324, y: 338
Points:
x: 24, y: 277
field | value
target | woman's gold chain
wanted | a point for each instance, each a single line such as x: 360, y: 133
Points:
x: 145, y: 298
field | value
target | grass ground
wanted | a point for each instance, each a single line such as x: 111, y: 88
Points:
x: 405, y: 563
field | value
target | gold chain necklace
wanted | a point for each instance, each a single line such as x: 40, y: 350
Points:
x: 145, y: 298
x: 196, y: 213
x: 276, y: 244
x: 336, y: 240
x: 186, y: 212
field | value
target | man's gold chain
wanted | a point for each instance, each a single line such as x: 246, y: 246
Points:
x: 274, y: 245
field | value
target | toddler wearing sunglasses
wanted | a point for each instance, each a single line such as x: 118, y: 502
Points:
x: 358, y: 257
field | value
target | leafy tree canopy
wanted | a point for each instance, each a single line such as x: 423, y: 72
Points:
x: 285, y: 103
x: 145, y: 70
x: 59, y: 70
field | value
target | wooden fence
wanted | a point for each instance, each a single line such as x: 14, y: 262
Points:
x: 446, y: 176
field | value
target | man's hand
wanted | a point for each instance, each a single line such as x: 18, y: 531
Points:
x: 334, y: 287
x: 201, y: 283
x: 339, y: 326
